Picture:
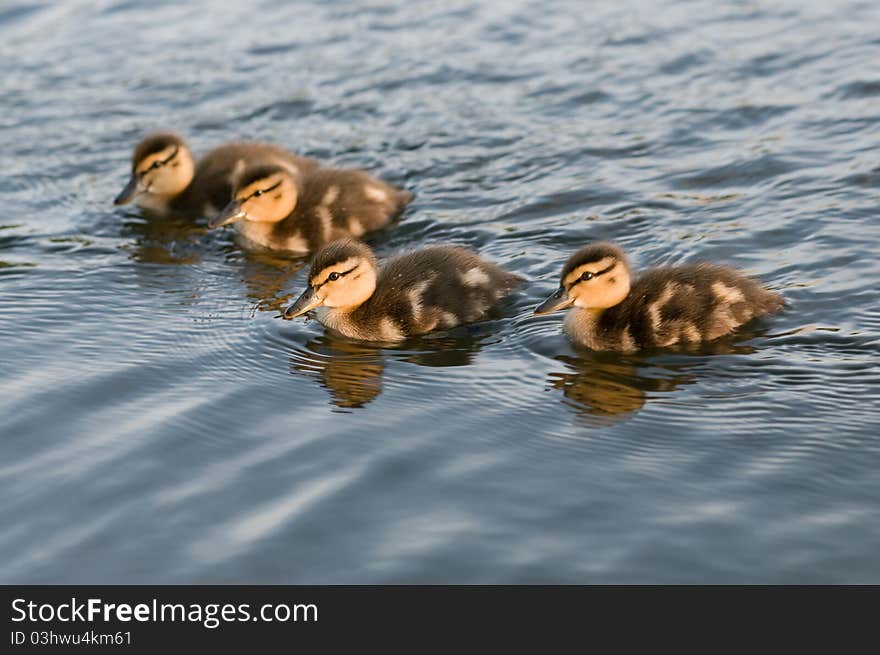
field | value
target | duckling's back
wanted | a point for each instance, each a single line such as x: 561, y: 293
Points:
x: 211, y: 187
x: 337, y: 203
x: 684, y: 304
x: 436, y: 288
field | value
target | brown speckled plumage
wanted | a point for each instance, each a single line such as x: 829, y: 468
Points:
x: 350, y: 211
x: 211, y: 185
x: 437, y: 287
x: 664, y: 306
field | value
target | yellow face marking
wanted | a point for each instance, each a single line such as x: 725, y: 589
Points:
x: 341, y: 267
x: 592, y: 267
x: 147, y: 162
x: 248, y: 192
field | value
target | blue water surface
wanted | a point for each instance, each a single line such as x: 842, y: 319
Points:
x: 159, y: 424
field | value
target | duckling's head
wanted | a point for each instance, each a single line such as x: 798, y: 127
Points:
x: 342, y: 276
x: 263, y: 193
x: 595, y: 277
x: 161, y: 168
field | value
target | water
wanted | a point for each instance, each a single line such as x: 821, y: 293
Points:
x: 159, y: 424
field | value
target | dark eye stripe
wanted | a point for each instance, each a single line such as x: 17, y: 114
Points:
x: 159, y: 162
x: 171, y: 156
x: 594, y: 274
x: 341, y: 274
x: 259, y: 192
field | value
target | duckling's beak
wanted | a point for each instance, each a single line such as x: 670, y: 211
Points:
x: 231, y: 213
x: 130, y: 191
x: 559, y: 300
x: 305, y: 303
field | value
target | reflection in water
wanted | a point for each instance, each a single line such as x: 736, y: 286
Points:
x: 164, y: 240
x: 607, y: 387
x: 132, y: 387
x: 352, y: 370
x: 178, y: 240
x: 604, y: 387
x: 267, y: 275
x: 456, y: 347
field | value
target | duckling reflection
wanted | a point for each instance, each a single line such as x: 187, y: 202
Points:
x: 457, y: 347
x: 267, y: 277
x: 607, y: 387
x: 171, y: 240
x: 350, y: 371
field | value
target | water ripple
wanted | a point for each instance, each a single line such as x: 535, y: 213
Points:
x: 160, y: 424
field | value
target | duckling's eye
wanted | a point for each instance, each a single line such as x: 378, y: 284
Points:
x: 258, y: 193
x: 586, y: 276
x: 333, y: 276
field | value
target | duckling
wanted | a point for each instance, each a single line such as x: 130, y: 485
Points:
x: 662, y: 307
x: 277, y: 208
x: 166, y: 179
x: 434, y: 288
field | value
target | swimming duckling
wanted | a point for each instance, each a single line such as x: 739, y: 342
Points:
x: 662, y: 307
x: 433, y: 288
x: 165, y: 178
x: 274, y: 207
